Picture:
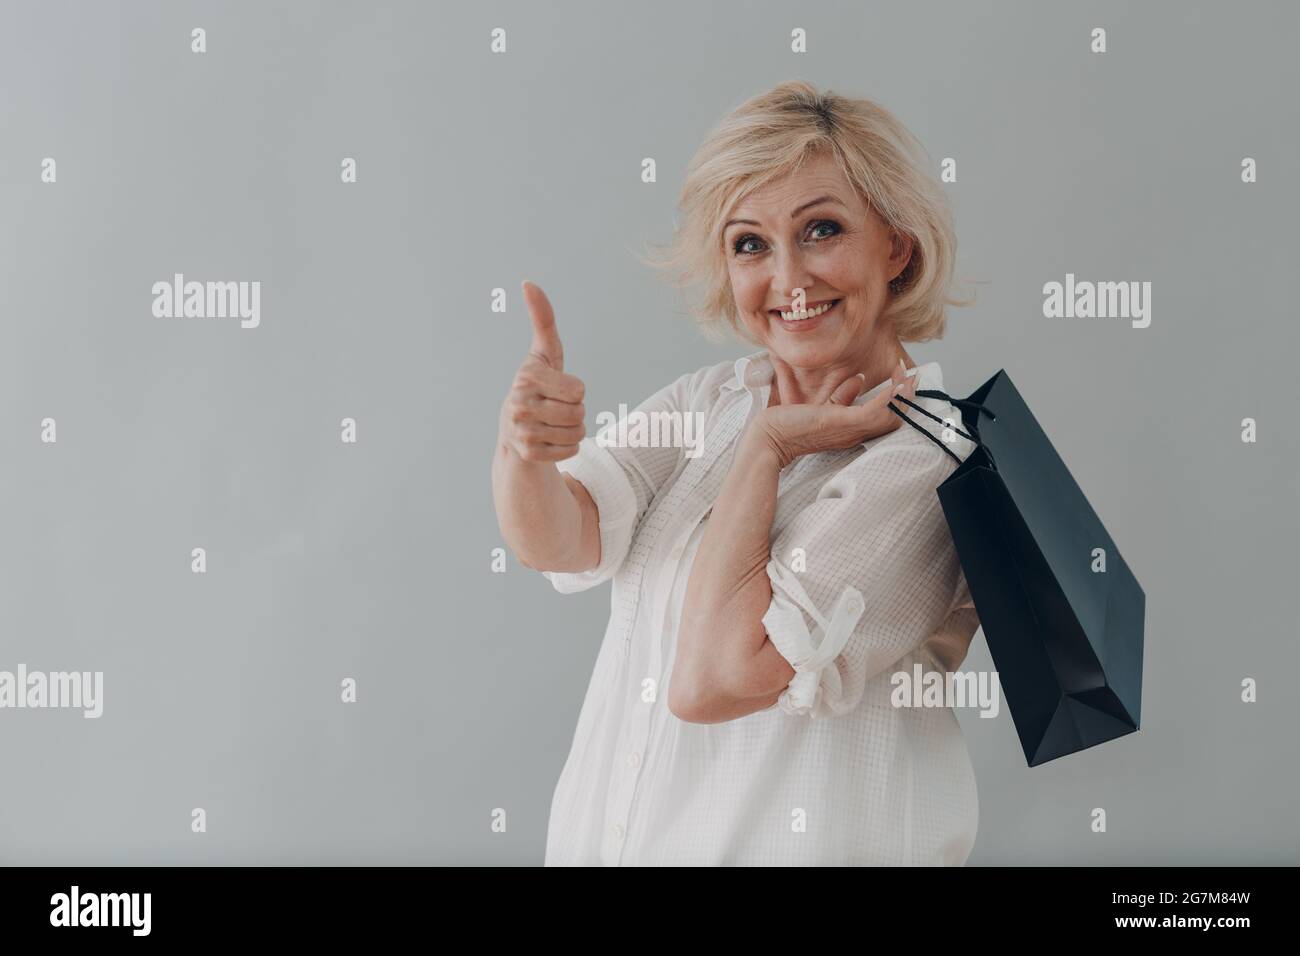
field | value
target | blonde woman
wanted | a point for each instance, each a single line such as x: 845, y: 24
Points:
x: 768, y: 583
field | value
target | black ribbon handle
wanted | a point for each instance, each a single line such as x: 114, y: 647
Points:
x: 960, y: 403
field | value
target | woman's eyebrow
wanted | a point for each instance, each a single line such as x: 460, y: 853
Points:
x: 807, y: 205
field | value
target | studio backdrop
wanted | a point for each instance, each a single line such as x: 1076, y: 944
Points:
x: 270, y: 531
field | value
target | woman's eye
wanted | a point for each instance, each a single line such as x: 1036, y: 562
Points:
x: 740, y: 247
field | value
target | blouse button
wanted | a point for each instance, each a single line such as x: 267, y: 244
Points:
x: 633, y: 759
x: 617, y: 830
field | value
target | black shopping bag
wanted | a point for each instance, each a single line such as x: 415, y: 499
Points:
x: 1066, y: 640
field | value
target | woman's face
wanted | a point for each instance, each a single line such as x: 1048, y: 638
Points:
x: 837, y: 250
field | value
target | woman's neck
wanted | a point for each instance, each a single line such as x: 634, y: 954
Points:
x: 795, y: 386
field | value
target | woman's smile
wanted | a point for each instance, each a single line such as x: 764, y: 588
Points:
x: 815, y: 317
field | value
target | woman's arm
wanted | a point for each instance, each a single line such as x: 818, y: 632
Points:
x: 725, y: 666
x: 548, y: 518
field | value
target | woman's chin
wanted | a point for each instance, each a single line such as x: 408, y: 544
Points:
x: 809, y: 349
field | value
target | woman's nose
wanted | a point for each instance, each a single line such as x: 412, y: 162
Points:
x: 791, y: 274
x: 789, y: 282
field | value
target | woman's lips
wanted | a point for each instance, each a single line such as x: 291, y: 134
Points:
x: 807, y: 325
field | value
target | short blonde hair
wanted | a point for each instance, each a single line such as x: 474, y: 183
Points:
x: 771, y: 135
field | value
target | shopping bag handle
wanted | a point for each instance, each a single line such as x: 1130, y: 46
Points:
x: 960, y: 403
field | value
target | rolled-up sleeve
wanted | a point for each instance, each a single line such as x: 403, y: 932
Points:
x: 862, y: 575
x: 616, y: 502
x: 623, y: 481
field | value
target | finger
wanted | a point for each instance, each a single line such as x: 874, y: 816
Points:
x: 552, y: 412
x: 538, y: 434
x: 884, y: 406
x: 848, y: 390
x: 909, y: 377
x: 557, y: 386
x: 903, y: 384
x: 885, y: 395
x: 546, y: 343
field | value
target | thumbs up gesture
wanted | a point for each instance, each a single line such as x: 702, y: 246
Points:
x: 542, y: 416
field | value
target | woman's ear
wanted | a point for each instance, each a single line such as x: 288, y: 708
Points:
x: 900, y: 253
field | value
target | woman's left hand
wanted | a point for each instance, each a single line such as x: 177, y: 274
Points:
x: 795, y: 430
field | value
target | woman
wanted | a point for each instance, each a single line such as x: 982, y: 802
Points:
x: 768, y: 584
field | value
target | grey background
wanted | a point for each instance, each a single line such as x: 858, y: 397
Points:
x: 477, y: 171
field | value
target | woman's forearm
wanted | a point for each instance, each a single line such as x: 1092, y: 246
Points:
x: 729, y: 591
x: 540, y: 519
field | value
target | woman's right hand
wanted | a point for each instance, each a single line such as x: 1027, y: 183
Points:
x: 542, y: 418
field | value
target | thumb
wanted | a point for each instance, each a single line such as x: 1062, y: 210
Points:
x: 546, y: 343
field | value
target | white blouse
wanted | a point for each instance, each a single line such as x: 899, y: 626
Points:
x: 865, y: 583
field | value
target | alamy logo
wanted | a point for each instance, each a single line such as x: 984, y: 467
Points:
x: 923, y: 688
x: 55, y: 689
x: 637, y: 429
x: 102, y: 909
x: 1102, y: 300
x: 208, y: 300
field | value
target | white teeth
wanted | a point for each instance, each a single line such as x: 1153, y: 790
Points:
x: 803, y: 314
